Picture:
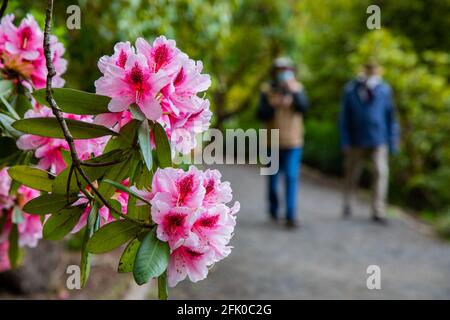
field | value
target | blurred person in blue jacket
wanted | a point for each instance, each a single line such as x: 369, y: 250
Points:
x: 282, y: 104
x: 369, y: 130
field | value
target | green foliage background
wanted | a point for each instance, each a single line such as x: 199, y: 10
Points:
x: 328, y: 39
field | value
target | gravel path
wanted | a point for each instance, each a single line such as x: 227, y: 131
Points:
x: 327, y: 258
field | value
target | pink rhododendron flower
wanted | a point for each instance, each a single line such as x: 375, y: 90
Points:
x: 163, y: 82
x: 30, y: 229
x: 6, y: 201
x: 161, y: 55
x: 187, y: 83
x: 122, y: 51
x: 133, y: 84
x: 39, y: 74
x: 215, y: 190
x: 179, y: 188
x: 115, y: 120
x: 186, y: 126
x: 24, y: 40
x: 214, y: 227
x: 22, y: 55
x: 30, y: 226
x: 188, y: 261
x: 48, y: 150
x: 191, y: 213
x: 174, y: 224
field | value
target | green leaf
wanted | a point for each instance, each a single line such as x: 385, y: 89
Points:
x: 5, y: 87
x: 17, y: 216
x: 85, y: 264
x: 117, y: 173
x: 163, y: 292
x: 48, y: 203
x: 14, y: 251
x: 135, y: 166
x: 112, y: 235
x: 75, y: 101
x: 61, y: 223
x: 49, y: 127
x: 126, y: 190
x: 22, y: 104
x: 144, y: 179
x: 136, y: 112
x: 152, y: 258
x: 141, y: 212
x: 126, y: 138
x: 32, y: 177
x: 61, y: 181
x: 163, y: 152
x: 10, y: 109
x: 144, y: 144
x: 139, y: 174
x: 126, y: 262
x: 7, y: 122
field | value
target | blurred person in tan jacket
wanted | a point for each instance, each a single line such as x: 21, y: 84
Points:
x: 282, y: 104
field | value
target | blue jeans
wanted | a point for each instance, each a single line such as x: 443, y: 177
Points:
x: 290, y: 160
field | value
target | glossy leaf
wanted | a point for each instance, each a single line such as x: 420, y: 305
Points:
x: 61, y: 223
x: 85, y: 263
x: 5, y: 87
x: 139, y: 212
x: 48, y: 203
x: 126, y: 262
x: 163, y: 152
x: 126, y: 139
x: 32, y: 177
x: 49, y: 127
x: 152, y: 258
x: 136, y: 112
x: 17, y: 215
x: 112, y: 235
x: 75, y: 101
x: 116, y: 173
x: 6, y: 121
x: 163, y: 292
x: 144, y: 144
x: 22, y: 104
x: 13, y: 250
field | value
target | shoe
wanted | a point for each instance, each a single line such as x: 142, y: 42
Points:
x: 273, y: 217
x: 347, y: 212
x: 292, y: 224
x: 380, y: 220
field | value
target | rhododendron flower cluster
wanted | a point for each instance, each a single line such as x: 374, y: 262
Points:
x: 191, y: 213
x: 22, y: 54
x: 162, y: 82
x: 48, y: 150
x: 30, y: 228
x: 153, y: 85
